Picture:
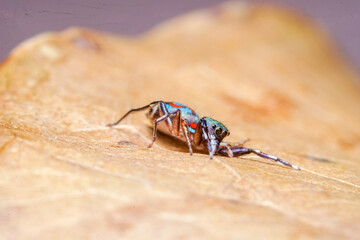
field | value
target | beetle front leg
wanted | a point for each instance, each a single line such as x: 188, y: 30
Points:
x: 238, y: 151
x: 185, y: 129
x: 226, y: 148
x: 271, y: 157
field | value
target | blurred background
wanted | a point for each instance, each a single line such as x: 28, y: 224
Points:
x: 21, y: 19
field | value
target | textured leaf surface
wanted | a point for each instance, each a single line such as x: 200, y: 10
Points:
x: 266, y: 74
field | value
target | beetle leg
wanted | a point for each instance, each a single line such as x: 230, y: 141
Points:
x: 227, y: 149
x: 131, y: 111
x: 175, y: 124
x: 198, y: 135
x: 185, y: 129
x: 157, y: 122
x: 271, y: 157
x: 238, y: 151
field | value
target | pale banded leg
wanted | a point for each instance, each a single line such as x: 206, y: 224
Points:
x: 157, y: 121
x: 238, y: 151
x: 185, y: 129
x: 131, y: 111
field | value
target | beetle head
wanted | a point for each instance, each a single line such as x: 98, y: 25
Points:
x: 213, y: 134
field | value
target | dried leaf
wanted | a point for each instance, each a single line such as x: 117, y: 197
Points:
x: 267, y: 74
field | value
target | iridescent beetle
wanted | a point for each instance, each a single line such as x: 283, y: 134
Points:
x: 183, y: 122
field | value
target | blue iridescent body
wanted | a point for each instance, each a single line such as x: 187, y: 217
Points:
x: 183, y: 122
x: 188, y: 114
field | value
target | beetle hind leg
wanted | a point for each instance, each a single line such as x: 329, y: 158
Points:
x: 131, y: 111
x: 157, y: 121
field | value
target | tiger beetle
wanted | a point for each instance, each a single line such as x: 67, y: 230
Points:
x: 183, y: 122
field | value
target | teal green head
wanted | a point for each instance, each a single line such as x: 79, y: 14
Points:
x: 213, y: 134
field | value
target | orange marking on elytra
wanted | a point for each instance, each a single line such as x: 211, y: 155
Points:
x: 193, y: 125
x: 179, y: 106
x: 175, y: 105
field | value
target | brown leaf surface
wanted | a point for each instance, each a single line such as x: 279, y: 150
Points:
x: 267, y: 74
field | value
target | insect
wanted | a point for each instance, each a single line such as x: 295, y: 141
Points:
x: 183, y: 122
